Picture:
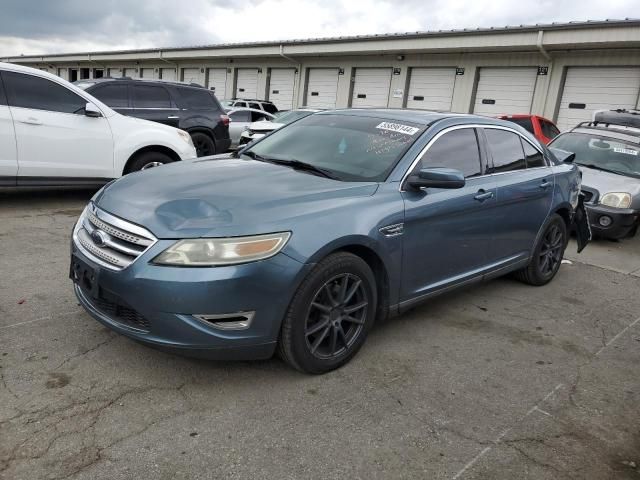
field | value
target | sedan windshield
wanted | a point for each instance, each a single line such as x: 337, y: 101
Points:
x: 350, y: 147
x: 602, y: 153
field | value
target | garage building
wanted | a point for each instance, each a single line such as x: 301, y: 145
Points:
x: 561, y: 71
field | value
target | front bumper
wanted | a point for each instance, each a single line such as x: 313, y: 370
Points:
x: 623, y: 220
x: 156, y: 304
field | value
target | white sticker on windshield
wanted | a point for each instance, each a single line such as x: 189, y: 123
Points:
x: 398, y: 127
x: 626, y: 151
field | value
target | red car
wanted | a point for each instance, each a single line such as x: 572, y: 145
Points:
x: 543, y: 129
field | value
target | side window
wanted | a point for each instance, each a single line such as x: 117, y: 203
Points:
x: 28, y: 91
x: 240, y: 104
x: 258, y: 117
x: 506, y: 150
x: 549, y: 130
x: 533, y: 156
x: 240, y: 116
x: 114, y: 95
x: 269, y: 107
x: 150, y: 96
x: 254, y: 105
x: 197, y: 98
x: 456, y: 149
x: 3, y: 98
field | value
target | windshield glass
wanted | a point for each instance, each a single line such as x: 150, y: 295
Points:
x: 352, y: 148
x: 288, y: 117
x: 602, y: 152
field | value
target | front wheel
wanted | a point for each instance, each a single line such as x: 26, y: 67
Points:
x: 330, y: 315
x: 547, y: 254
x: 148, y: 160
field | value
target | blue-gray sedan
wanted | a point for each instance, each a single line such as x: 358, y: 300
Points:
x: 306, y: 237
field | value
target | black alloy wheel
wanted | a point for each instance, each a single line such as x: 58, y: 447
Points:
x: 550, y: 255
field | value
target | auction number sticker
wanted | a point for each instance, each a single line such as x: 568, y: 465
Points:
x: 626, y: 151
x: 398, y: 127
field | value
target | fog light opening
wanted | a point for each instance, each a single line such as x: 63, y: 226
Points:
x: 228, y: 321
x: 605, y: 220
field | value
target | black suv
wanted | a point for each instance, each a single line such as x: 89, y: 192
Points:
x: 188, y: 107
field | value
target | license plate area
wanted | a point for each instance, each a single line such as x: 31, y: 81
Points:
x: 85, y: 276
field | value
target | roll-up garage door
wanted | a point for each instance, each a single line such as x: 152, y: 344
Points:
x: 595, y: 88
x: 168, y: 74
x: 63, y: 73
x: 147, y: 73
x: 371, y: 87
x: 247, y: 83
x: 505, y: 90
x: 130, y: 72
x: 322, y: 87
x: 431, y: 88
x: 281, y: 87
x: 193, y: 75
x: 218, y: 82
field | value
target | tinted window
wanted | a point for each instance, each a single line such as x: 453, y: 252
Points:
x: 150, y: 96
x: 269, y: 107
x: 240, y: 116
x: 254, y: 105
x: 533, y: 156
x: 240, y: 104
x: 197, y: 98
x: 523, y: 122
x: 506, y: 150
x: 457, y: 149
x: 3, y: 99
x: 258, y: 117
x: 549, y: 130
x: 114, y: 95
x: 353, y: 148
x: 27, y: 91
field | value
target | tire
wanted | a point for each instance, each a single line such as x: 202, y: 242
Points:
x: 317, y: 334
x: 547, y: 254
x: 205, y: 146
x: 633, y: 232
x: 148, y: 160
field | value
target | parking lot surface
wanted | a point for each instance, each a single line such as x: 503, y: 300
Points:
x: 499, y: 381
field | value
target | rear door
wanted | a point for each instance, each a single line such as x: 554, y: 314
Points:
x: 525, y: 185
x: 8, y: 151
x: 53, y: 136
x: 447, y: 232
x: 153, y: 102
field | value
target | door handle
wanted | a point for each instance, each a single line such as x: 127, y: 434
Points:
x: 31, y: 121
x: 483, y: 195
x: 173, y: 117
x: 544, y: 185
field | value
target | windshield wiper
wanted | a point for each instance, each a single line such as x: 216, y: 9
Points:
x: 598, y: 167
x: 307, y: 167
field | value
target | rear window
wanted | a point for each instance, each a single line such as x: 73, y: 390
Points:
x: 523, y: 122
x: 197, y: 98
x: 150, y: 96
x: 269, y: 107
x: 353, y: 148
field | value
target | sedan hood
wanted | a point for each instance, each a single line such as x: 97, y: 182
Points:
x: 606, y: 182
x: 224, y: 196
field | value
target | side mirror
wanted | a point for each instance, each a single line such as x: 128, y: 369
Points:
x: 90, y: 110
x: 437, y: 177
x: 563, y: 155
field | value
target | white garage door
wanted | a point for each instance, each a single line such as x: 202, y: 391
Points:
x: 431, y: 88
x: 168, y: 74
x: 281, y: 87
x: 147, y: 73
x: 130, y: 72
x: 247, y: 83
x: 63, y: 73
x: 322, y: 87
x: 589, y: 89
x: 371, y: 87
x: 116, y: 72
x: 193, y: 75
x: 218, y: 82
x: 505, y: 90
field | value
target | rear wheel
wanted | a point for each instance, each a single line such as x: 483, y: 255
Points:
x: 330, y: 315
x: 547, y: 254
x: 147, y: 160
x: 204, y: 144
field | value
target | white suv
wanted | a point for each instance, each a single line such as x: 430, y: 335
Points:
x: 53, y: 133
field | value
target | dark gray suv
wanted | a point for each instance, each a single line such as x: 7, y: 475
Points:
x: 188, y: 107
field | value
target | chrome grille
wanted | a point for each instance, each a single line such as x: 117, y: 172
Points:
x: 109, y: 240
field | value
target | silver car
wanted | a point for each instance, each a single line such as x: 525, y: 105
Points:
x: 241, y: 118
x: 260, y: 129
x: 608, y: 154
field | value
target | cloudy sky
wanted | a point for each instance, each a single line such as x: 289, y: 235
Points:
x: 55, y: 26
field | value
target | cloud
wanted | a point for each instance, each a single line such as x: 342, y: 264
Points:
x: 45, y: 26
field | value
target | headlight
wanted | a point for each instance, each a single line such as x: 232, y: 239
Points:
x: 211, y: 252
x: 186, y: 137
x: 616, y: 200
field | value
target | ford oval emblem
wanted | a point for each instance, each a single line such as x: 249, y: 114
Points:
x: 99, y: 237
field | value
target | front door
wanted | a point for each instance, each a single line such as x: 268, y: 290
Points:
x: 447, y: 231
x: 8, y: 152
x: 525, y: 191
x: 53, y: 136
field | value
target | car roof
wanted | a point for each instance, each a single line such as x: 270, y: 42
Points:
x: 238, y: 109
x: 141, y: 80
